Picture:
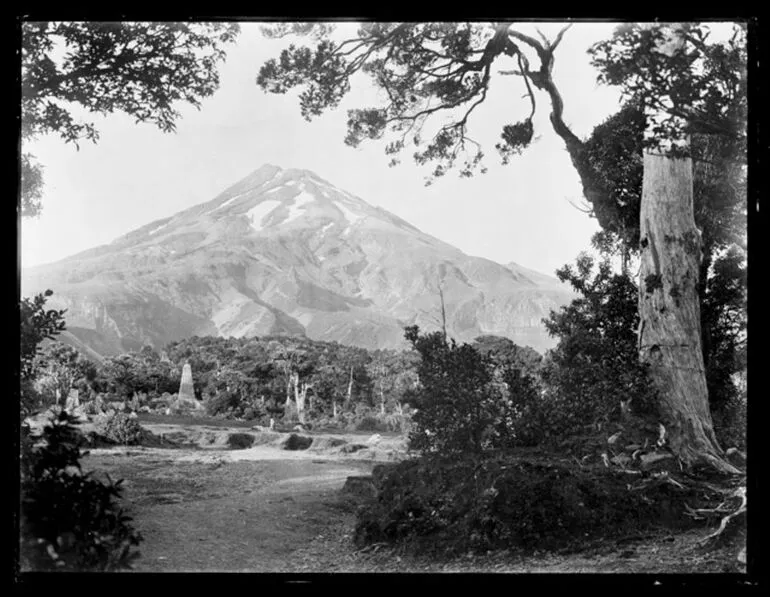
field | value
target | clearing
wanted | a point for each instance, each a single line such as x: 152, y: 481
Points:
x: 205, y: 507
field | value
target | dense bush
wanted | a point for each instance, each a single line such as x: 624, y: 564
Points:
x: 240, y: 441
x: 119, y: 427
x: 465, y: 401
x: 504, y: 502
x: 69, y: 521
x: 595, y: 365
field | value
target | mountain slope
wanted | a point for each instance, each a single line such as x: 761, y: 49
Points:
x: 284, y: 251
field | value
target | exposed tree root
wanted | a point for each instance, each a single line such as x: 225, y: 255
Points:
x: 729, y: 510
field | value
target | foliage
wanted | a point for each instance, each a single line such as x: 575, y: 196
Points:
x: 463, y: 403
x: 141, y: 69
x: 37, y: 324
x: 506, y: 354
x: 240, y: 441
x: 60, y: 368
x: 119, y: 427
x: 702, y: 88
x: 70, y: 521
x: 506, y: 502
x: 426, y: 70
x: 138, y: 372
x: 595, y: 365
x: 724, y: 318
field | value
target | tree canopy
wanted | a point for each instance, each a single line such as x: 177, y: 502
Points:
x: 141, y: 69
x: 433, y: 70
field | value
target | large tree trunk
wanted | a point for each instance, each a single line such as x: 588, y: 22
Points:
x: 669, y: 307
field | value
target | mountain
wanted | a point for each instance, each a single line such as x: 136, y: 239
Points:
x: 286, y: 252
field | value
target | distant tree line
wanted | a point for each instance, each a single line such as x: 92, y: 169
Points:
x: 257, y: 378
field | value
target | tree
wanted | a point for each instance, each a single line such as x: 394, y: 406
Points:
x: 680, y: 103
x: 430, y: 68
x: 37, y: 324
x: 59, y: 368
x: 392, y: 373
x: 141, y: 69
x: 594, y: 373
x: 720, y: 202
x: 504, y: 352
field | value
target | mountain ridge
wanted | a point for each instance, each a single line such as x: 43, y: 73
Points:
x: 285, y: 251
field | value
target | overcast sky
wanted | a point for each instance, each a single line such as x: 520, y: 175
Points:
x: 136, y: 174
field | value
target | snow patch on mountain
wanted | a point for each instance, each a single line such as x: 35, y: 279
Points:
x: 349, y: 215
x: 257, y: 213
x: 300, y: 201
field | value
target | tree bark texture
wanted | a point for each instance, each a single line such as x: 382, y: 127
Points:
x: 669, y: 308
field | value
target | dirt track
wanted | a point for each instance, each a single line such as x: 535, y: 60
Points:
x: 210, y: 515
x: 265, y: 509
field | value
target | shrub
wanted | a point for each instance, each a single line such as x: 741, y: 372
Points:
x: 69, y: 521
x: 240, y: 441
x: 91, y: 407
x: 460, y: 405
x: 297, y: 442
x: 595, y: 364
x: 371, y: 423
x: 222, y: 403
x: 730, y: 423
x: 120, y: 428
x: 505, y: 502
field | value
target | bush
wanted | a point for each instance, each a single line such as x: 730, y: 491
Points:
x: 461, y: 404
x: 120, y: 428
x: 595, y: 364
x: 69, y: 521
x: 240, y: 441
x: 371, y: 423
x: 730, y: 423
x: 91, y: 407
x: 297, y: 442
x: 505, y: 502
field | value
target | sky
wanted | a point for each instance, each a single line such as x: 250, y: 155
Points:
x: 135, y: 174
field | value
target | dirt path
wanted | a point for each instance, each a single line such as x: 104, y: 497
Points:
x: 269, y: 510
x: 206, y: 512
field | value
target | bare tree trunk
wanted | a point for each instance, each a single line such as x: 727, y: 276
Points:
x: 295, y: 383
x: 443, y: 312
x: 350, y: 388
x: 301, y: 396
x: 289, y: 377
x: 334, y: 408
x: 669, y: 307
